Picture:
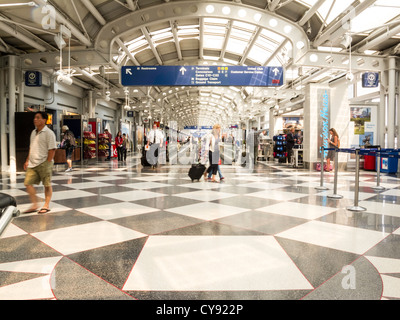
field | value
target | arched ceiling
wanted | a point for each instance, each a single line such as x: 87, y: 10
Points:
x: 108, y: 34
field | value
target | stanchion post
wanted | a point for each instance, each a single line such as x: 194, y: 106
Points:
x: 335, y: 195
x: 356, y: 207
x: 321, y: 186
x: 378, y: 172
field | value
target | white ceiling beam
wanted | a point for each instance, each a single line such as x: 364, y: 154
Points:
x: 174, y: 28
x: 89, y: 5
x: 128, y: 53
x: 310, y: 12
x: 13, y: 32
x: 201, y: 44
x: 227, y: 36
x: 250, y: 46
x: 281, y: 46
x: 74, y: 30
x: 131, y: 4
x: 273, y: 4
x: 370, y: 43
x: 151, y: 44
x: 339, y: 23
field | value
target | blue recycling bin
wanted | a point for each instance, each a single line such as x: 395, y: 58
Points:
x: 389, y: 165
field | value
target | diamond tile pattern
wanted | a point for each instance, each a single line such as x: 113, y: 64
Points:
x: 126, y: 232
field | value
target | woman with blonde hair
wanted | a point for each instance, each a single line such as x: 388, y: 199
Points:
x: 213, y: 151
x: 333, y: 143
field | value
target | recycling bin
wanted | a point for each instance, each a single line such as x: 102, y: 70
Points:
x: 389, y: 165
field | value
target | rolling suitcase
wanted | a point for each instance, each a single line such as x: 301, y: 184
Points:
x: 143, y: 160
x: 196, y: 171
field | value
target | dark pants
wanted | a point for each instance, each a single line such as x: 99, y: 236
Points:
x: 214, y: 160
x: 119, y: 152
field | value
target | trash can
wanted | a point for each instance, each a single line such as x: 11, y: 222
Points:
x: 370, y: 161
x: 389, y: 165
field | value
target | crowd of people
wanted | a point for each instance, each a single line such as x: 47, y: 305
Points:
x: 40, y: 160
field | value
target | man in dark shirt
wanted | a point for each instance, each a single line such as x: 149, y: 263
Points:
x: 290, y: 141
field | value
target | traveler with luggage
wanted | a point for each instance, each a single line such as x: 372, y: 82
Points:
x: 214, y: 153
x: 155, y: 140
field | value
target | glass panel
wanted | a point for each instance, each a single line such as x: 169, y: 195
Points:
x: 213, y: 42
x: 259, y: 54
x: 236, y: 46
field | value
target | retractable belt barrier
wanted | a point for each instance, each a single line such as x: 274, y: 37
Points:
x: 8, y: 211
x: 378, y: 153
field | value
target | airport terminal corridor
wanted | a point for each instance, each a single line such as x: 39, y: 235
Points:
x: 118, y: 231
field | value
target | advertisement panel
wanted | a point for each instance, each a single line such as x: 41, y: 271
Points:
x: 323, y: 120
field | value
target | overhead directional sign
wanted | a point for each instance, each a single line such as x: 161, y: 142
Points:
x: 202, y: 76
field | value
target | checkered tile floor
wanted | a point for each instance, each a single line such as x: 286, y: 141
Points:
x: 123, y: 232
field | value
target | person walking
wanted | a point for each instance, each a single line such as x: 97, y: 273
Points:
x: 68, y: 143
x: 109, y: 135
x: 333, y: 142
x: 125, y: 145
x: 290, y: 141
x: 214, y: 153
x: 39, y: 163
x: 155, y: 140
x: 118, y: 145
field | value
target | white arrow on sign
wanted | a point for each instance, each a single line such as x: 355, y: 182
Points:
x: 128, y: 71
x: 183, y: 70
x: 275, y: 71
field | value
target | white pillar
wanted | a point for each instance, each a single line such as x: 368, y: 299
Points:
x: 11, y: 112
x: 21, y: 95
x: 381, y: 130
x: 271, y: 123
x: 91, y: 107
x: 3, y: 124
x: 391, y: 103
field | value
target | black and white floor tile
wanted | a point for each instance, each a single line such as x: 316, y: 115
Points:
x: 119, y: 231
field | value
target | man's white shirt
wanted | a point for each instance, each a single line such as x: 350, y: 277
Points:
x: 155, y: 136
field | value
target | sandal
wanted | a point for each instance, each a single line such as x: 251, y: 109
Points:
x: 29, y: 211
x: 43, y: 210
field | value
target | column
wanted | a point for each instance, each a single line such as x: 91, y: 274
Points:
x: 271, y: 122
x: 91, y: 106
x: 11, y: 111
x: 21, y: 93
x: 381, y: 130
x: 391, y: 109
x: 3, y: 119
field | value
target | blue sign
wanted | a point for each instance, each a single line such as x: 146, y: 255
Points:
x: 202, y: 76
x: 190, y: 128
x: 370, y: 80
x: 33, y: 79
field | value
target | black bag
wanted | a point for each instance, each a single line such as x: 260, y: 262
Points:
x: 143, y: 160
x: 196, y: 171
x: 6, y: 201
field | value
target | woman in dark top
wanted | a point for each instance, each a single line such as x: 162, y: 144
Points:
x: 333, y: 143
